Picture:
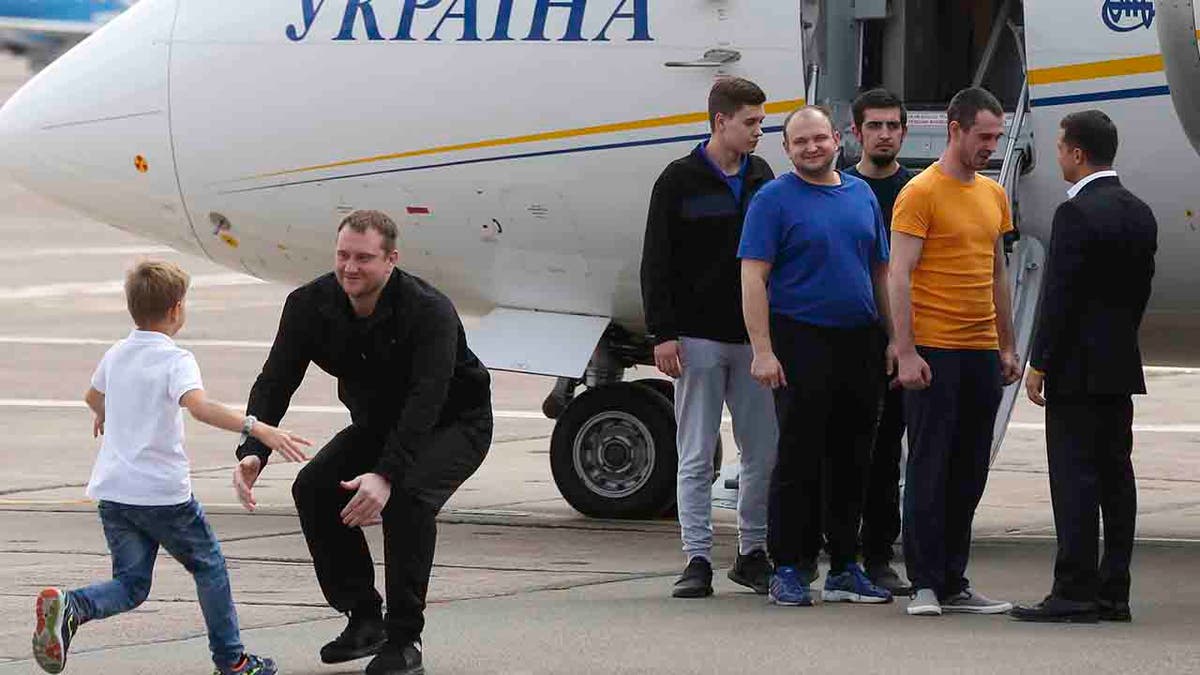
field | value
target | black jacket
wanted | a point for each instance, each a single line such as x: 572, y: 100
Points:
x: 404, y: 371
x: 691, y: 276
x: 1097, y: 285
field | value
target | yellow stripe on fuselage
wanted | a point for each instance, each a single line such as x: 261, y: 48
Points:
x: 772, y: 108
x: 1136, y: 65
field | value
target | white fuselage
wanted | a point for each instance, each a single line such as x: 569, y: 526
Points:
x: 519, y: 167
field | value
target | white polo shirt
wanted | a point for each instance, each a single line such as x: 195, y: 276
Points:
x: 141, y: 460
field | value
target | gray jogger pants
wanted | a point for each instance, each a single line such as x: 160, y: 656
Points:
x: 716, y: 373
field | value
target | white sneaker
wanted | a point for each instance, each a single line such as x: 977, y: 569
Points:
x: 972, y: 602
x: 924, y: 603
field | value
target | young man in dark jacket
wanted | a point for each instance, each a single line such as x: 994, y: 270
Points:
x: 691, y: 292
x: 420, y: 405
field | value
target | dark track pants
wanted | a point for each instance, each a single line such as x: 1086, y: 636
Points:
x: 340, y: 554
x: 827, y: 418
x: 881, y: 510
x: 949, y: 449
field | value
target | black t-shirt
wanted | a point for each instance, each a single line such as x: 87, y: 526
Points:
x: 885, y: 189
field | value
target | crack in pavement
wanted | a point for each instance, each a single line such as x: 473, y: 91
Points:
x: 193, y: 601
x: 301, y: 622
x: 1043, y: 472
x: 59, y: 486
x: 465, y: 516
x: 283, y: 560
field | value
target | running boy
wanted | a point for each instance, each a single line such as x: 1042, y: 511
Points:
x: 141, y: 478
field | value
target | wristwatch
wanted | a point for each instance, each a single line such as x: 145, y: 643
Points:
x: 247, y: 425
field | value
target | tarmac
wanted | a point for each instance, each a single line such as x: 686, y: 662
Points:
x: 522, y: 583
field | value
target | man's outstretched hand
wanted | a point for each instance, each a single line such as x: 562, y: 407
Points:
x: 245, y: 474
x: 372, y: 492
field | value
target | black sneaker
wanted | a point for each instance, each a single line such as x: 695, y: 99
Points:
x: 752, y: 570
x: 397, y: 660
x: 696, y: 580
x: 56, y: 625
x: 884, y: 576
x: 364, y: 636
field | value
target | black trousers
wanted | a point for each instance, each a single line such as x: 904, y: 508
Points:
x: 949, y: 448
x: 340, y: 554
x: 827, y: 417
x: 881, y: 510
x: 1089, y: 443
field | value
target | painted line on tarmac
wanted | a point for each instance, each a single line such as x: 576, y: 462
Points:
x: 105, y: 342
x: 1017, y: 536
x: 88, y: 342
x: 35, y: 403
x: 82, y: 251
x: 537, y: 415
x: 1174, y: 370
x: 1144, y: 428
x: 115, y: 287
x: 264, y: 345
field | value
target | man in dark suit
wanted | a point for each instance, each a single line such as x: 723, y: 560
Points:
x: 1086, y: 357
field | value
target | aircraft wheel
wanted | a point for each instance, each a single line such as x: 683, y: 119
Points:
x: 613, y: 452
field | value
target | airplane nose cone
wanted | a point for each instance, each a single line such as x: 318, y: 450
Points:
x: 92, y: 130
x: 14, y: 122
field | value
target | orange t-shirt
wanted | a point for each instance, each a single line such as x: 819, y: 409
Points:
x: 952, y: 283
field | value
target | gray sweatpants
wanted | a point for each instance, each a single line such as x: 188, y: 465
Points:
x: 715, y: 373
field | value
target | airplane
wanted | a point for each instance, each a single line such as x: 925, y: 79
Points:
x: 42, y: 30
x: 516, y: 141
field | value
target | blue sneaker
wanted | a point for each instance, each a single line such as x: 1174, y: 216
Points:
x: 249, y: 665
x: 787, y: 589
x: 852, y: 585
x: 56, y: 625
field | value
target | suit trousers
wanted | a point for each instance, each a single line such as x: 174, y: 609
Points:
x: 1089, y: 443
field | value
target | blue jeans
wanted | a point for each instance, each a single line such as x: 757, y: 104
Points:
x: 134, y: 534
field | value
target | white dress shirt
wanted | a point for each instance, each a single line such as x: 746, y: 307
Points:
x: 1074, y: 189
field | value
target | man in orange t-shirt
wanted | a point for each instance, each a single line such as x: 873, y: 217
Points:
x: 953, y: 336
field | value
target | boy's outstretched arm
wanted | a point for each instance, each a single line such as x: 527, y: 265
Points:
x: 95, y: 400
x: 215, y: 414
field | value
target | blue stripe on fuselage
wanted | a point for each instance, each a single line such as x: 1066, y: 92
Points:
x: 691, y: 138
x: 1087, y: 97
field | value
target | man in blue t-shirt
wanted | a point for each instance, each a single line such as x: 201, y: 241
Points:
x: 814, y: 256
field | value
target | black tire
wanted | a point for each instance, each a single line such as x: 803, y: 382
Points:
x: 613, y: 452
x: 667, y: 388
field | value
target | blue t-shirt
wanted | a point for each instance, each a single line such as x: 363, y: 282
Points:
x: 822, y: 242
x: 735, y: 181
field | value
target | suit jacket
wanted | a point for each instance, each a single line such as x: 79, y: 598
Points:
x: 1097, y: 285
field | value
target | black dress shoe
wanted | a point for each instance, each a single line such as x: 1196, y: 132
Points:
x: 364, y: 636
x: 696, y: 580
x: 1115, y: 611
x: 395, y: 659
x: 1057, y: 610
